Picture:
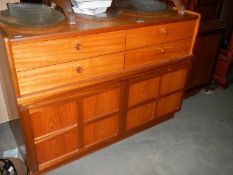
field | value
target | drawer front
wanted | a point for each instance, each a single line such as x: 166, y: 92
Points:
x: 39, y: 54
x: 62, y: 74
x: 147, y: 36
x: 156, y: 53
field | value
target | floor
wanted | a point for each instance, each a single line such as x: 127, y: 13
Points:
x: 198, y: 141
x: 8, y: 147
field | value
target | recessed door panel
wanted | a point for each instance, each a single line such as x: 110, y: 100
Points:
x: 173, y: 81
x: 169, y: 104
x: 139, y: 115
x: 100, y: 131
x: 101, y: 104
x: 56, y: 147
x: 52, y: 118
x: 143, y: 91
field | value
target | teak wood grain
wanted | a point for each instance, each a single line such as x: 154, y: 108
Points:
x: 143, y: 91
x: 173, y: 81
x: 100, y: 130
x: 57, y: 146
x: 82, y: 87
x: 159, y: 34
x: 63, y: 50
x: 101, y: 104
x: 67, y: 73
x: 140, y: 115
x: 169, y: 104
x: 156, y: 53
x: 53, y: 118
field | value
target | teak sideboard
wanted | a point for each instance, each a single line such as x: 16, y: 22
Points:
x: 81, y: 87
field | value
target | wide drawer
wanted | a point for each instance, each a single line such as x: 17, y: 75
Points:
x: 147, y: 36
x: 39, y: 54
x: 156, y: 53
x: 66, y: 73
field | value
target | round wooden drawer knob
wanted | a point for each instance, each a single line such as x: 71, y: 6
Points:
x: 169, y: 69
x: 78, y: 46
x: 162, y: 51
x: 164, y: 31
x: 79, y: 69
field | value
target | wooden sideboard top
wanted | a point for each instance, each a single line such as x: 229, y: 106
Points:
x: 86, y: 26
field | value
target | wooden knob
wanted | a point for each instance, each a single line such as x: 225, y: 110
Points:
x: 162, y: 51
x: 78, y: 46
x: 164, y: 31
x: 79, y: 69
x: 169, y: 69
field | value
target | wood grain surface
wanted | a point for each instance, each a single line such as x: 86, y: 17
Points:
x: 63, y: 50
x: 82, y: 87
x: 66, y: 73
x: 157, y: 53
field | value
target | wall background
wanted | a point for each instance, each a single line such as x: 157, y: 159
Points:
x: 3, y: 110
x: 3, y: 3
x: 4, y: 116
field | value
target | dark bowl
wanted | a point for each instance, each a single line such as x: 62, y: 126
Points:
x: 149, y: 5
x: 35, y: 14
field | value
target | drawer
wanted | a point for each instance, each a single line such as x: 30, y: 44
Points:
x: 44, y: 53
x: 66, y: 73
x: 147, y: 36
x: 157, y: 53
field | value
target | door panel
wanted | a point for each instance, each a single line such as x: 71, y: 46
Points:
x: 53, y: 118
x: 100, y: 131
x: 140, y: 115
x: 101, y: 104
x: 173, y: 81
x: 55, y: 147
x: 169, y: 104
x: 143, y: 91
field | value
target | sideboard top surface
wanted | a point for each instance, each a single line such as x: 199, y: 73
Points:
x: 86, y: 26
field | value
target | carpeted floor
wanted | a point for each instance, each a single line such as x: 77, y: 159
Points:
x: 198, y: 141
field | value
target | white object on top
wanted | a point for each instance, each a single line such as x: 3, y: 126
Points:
x: 90, y: 11
x: 93, y: 4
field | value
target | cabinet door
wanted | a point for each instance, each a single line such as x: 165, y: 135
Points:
x: 141, y: 102
x: 171, y: 90
x: 55, y: 130
x: 101, y: 113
